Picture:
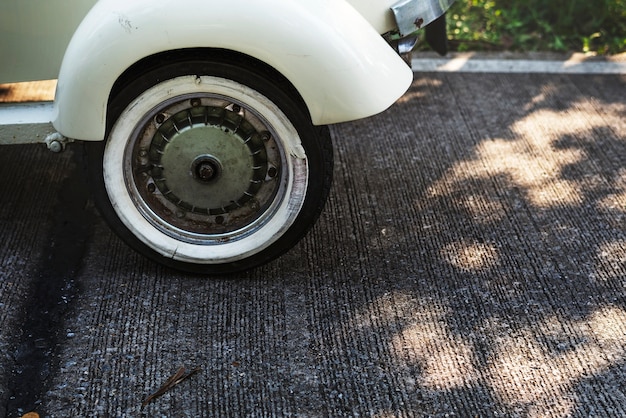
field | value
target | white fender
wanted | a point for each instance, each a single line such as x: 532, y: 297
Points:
x: 339, y: 63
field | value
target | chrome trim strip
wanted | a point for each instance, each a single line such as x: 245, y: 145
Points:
x: 25, y: 123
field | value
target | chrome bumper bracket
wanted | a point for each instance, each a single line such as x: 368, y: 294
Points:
x: 412, y: 15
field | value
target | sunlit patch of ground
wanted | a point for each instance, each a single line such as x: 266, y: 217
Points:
x: 33, y: 91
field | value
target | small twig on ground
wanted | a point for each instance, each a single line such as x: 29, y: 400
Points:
x: 180, y: 375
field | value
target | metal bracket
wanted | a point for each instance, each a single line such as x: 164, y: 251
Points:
x: 57, y: 142
x: 412, y: 15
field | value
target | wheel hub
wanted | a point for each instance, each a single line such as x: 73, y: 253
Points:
x: 206, y: 169
x: 206, y: 166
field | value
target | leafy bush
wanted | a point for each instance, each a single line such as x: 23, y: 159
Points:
x: 538, y: 25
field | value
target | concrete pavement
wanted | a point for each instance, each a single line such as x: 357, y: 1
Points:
x: 471, y: 261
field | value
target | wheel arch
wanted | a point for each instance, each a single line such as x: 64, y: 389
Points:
x: 340, y: 66
x: 223, y: 56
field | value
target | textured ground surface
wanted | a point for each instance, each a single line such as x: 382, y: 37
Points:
x: 471, y: 261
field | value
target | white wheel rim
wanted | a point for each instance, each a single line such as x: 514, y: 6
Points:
x: 209, y: 242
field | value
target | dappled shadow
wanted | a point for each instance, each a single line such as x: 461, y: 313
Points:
x: 503, y: 244
x: 470, y: 261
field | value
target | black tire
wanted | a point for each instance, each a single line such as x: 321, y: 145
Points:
x: 223, y: 175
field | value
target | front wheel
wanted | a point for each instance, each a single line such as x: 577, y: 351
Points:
x: 211, y: 169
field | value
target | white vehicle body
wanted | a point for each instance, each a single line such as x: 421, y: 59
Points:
x: 317, y: 45
x: 330, y: 50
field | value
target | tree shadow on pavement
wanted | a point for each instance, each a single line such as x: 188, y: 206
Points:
x: 470, y: 261
x: 489, y: 218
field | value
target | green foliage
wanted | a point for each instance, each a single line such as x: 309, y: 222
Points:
x: 538, y: 25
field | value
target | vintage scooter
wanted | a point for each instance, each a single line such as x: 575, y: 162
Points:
x: 205, y: 121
